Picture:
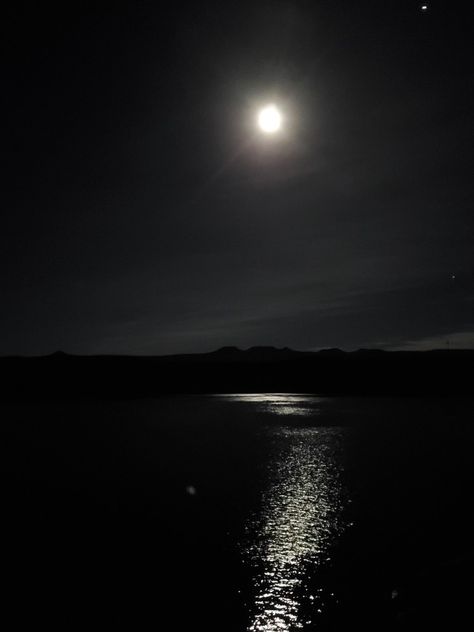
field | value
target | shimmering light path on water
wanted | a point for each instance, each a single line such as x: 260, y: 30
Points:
x: 299, y: 519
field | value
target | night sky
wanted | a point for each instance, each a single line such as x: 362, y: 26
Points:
x: 143, y: 211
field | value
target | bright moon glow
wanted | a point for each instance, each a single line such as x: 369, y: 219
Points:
x: 269, y: 119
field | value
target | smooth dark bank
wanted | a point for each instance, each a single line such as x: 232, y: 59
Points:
x: 230, y: 370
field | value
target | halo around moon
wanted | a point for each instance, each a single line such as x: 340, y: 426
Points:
x: 269, y: 119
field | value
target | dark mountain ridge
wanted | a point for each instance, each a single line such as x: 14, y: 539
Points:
x: 229, y: 369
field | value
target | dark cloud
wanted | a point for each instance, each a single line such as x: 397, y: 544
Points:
x: 142, y: 213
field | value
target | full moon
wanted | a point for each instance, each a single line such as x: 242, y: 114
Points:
x: 269, y: 119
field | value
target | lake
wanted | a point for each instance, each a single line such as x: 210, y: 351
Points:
x: 252, y: 512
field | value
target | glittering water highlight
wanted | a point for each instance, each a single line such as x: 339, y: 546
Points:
x: 299, y: 520
x: 280, y: 403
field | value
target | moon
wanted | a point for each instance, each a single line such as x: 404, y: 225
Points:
x: 269, y: 119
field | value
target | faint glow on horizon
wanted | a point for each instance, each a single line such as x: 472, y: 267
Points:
x: 269, y: 119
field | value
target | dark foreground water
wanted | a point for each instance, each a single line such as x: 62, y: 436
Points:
x: 264, y: 513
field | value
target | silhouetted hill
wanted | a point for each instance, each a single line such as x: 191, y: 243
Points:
x: 258, y: 369
x: 332, y: 351
x: 255, y: 354
x: 227, y: 351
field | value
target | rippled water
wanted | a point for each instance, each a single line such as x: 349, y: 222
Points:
x: 299, y: 518
x: 257, y: 513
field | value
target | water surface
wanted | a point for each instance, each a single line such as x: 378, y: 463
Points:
x: 251, y: 512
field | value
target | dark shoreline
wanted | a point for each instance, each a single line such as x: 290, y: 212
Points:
x: 443, y: 373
